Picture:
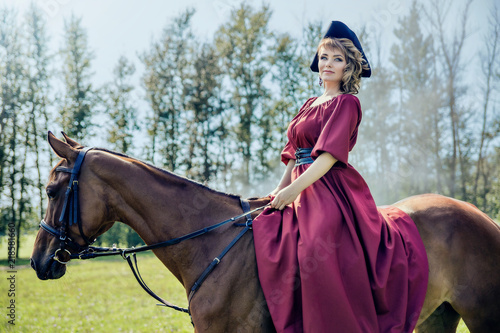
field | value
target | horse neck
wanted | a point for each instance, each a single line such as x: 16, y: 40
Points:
x: 160, y: 206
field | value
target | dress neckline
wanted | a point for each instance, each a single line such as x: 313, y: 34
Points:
x: 325, y: 102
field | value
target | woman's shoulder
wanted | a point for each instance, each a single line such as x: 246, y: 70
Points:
x: 349, y: 101
x: 346, y: 105
x: 349, y: 98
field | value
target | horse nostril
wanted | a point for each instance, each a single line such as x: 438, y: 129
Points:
x: 33, y: 264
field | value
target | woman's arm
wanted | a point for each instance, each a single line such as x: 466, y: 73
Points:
x: 288, y: 194
x: 286, y: 179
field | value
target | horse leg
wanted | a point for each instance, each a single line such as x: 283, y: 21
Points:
x: 479, y: 307
x: 481, y: 324
x: 443, y: 320
x: 476, y: 294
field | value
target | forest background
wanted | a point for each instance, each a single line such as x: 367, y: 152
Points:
x: 216, y: 110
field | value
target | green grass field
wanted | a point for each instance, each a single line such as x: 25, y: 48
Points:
x: 95, y: 296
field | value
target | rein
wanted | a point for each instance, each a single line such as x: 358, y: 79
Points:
x: 90, y: 252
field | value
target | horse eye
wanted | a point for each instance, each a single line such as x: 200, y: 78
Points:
x: 50, y: 193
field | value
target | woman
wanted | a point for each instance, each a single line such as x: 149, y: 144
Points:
x: 328, y: 260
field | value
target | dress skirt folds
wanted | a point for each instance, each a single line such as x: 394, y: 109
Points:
x: 331, y: 261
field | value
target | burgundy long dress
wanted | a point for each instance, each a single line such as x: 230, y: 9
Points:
x: 331, y: 261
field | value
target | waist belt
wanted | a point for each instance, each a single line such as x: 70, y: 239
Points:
x: 303, y: 156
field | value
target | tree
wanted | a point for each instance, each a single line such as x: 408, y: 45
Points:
x: 37, y: 95
x: 375, y: 154
x: 167, y: 66
x: 451, y: 55
x: 13, y: 203
x: 487, y: 168
x: 120, y: 108
x: 11, y: 79
x: 412, y: 58
x: 311, y: 36
x: 291, y: 81
x: 241, y: 44
x: 205, y: 125
x: 80, y: 99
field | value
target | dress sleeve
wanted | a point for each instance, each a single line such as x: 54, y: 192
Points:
x: 288, y: 153
x: 339, y: 131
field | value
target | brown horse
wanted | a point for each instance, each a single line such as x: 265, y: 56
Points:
x: 462, y: 243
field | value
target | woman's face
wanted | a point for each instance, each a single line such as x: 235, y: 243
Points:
x: 331, y: 65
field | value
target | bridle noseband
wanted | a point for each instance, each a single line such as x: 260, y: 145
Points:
x: 70, y: 213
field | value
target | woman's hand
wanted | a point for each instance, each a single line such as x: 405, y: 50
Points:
x: 318, y: 168
x: 284, y: 197
x: 273, y: 192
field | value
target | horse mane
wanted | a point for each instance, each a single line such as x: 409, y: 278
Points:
x: 169, y: 173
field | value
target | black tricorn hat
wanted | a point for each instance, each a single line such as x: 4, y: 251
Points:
x: 339, y: 30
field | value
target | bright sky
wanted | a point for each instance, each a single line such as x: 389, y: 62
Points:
x: 126, y: 27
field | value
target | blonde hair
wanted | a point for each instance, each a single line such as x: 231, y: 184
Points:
x: 351, y: 79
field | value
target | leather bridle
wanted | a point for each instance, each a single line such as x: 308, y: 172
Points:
x: 70, y: 215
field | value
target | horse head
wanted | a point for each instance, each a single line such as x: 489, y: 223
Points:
x: 76, y: 212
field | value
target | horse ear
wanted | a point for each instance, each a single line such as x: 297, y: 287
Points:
x: 61, y: 148
x: 70, y: 141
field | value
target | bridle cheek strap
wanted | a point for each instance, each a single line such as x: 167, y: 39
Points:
x: 70, y: 213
